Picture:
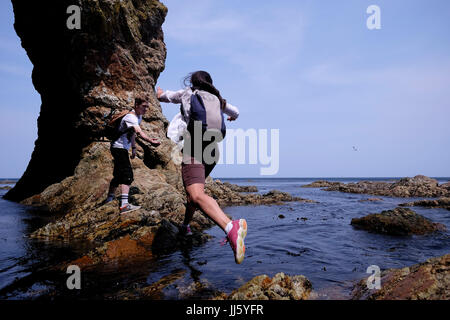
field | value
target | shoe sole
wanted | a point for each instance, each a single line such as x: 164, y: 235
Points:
x: 128, y: 211
x: 240, y: 246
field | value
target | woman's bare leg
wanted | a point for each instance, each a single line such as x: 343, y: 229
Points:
x: 207, y: 204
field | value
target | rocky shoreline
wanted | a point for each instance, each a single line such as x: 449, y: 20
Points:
x: 418, y: 186
x: 429, y: 280
x: 439, y: 203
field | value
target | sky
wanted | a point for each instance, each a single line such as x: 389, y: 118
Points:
x: 346, y: 101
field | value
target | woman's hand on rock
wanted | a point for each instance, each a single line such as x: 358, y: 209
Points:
x: 159, y: 92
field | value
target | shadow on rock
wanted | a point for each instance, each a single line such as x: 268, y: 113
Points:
x: 168, y: 238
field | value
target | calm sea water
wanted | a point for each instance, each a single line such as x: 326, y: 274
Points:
x: 313, y: 239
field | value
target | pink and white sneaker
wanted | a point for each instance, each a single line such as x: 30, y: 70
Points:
x: 236, y: 239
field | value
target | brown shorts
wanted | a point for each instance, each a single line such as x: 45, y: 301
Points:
x: 195, y: 172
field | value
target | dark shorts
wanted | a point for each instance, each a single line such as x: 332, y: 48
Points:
x: 195, y: 172
x: 123, y: 173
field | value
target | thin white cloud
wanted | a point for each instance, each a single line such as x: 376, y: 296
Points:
x: 428, y: 77
x: 260, y: 41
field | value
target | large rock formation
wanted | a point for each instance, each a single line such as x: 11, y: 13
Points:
x: 429, y: 280
x: 419, y: 186
x: 83, y: 75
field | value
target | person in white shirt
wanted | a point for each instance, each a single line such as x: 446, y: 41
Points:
x: 194, y: 170
x: 123, y: 172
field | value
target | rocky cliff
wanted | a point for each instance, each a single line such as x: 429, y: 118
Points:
x: 84, y: 74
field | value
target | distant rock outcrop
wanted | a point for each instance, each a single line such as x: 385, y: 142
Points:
x: 429, y: 280
x: 400, y: 221
x: 419, y: 186
x: 438, y: 203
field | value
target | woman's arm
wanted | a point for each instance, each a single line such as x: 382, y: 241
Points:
x: 169, y: 96
x: 231, y: 111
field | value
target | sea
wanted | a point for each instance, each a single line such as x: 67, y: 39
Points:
x: 311, y: 239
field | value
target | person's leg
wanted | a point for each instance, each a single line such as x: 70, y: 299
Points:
x: 207, y: 204
x: 124, y: 191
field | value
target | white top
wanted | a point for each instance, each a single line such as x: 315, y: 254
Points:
x: 128, y: 121
x: 184, y: 96
x: 178, y: 124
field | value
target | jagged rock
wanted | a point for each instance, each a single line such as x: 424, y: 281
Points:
x: 126, y: 250
x: 400, y: 221
x: 429, y: 280
x: 439, y: 203
x: 168, y: 238
x: 226, y: 196
x: 82, y: 75
x: 321, y: 184
x: 280, y: 287
x: 152, y: 292
x: 238, y: 188
x: 419, y: 186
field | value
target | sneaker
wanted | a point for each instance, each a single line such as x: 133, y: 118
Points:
x: 186, y: 230
x: 128, y: 208
x: 236, y: 239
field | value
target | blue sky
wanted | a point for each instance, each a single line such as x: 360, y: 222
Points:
x: 311, y: 69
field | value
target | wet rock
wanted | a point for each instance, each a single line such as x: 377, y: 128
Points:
x: 227, y: 197
x: 237, y: 188
x: 321, y: 184
x: 168, y: 238
x: 151, y: 292
x: 419, y: 186
x: 439, y: 203
x: 400, y: 221
x: 122, y: 252
x: 371, y: 200
x: 429, y: 280
x: 280, y: 287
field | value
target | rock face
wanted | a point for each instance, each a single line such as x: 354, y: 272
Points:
x: 439, y: 203
x: 400, y: 221
x: 425, y: 281
x: 419, y: 186
x: 83, y: 75
x: 280, y: 287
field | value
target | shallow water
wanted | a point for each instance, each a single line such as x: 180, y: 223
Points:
x: 314, y: 239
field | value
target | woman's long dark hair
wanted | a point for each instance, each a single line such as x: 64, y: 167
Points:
x: 201, y: 80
